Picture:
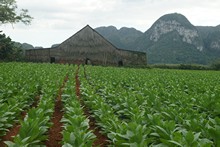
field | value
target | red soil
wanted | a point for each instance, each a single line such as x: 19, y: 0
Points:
x: 14, y: 130
x: 9, y: 135
x: 37, y: 99
x: 55, y: 136
x: 101, y: 140
x: 77, y: 87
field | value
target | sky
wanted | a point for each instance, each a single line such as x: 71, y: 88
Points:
x: 56, y: 20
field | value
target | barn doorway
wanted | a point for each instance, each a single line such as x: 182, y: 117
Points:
x: 88, y: 61
x: 52, y: 59
x: 120, y: 63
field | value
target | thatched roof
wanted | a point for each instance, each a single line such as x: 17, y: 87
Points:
x: 88, y: 43
x: 86, y: 37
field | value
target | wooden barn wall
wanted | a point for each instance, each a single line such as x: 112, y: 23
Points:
x: 96, y: 55
x: 38, y: 55
x: 87, y: 44
x: 132, y: 58
x: 102, y: 57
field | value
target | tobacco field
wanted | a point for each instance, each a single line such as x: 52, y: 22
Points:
x: 74, y: 105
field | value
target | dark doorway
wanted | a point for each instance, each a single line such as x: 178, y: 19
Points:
x: 88, y: 61
x: 52, y: 60
x: 120, y: 63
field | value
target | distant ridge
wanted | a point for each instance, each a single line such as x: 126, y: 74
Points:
x: 172, y: 39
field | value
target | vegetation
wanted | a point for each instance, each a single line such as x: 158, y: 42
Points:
x: 155, y: 107
x: 133, y: 107
x: 123, y: 38
x: 216, y: 65
x: 76, y: 125
x: 17, y: 92
x: 170, y: 48
x: 20, y: 84
x: 182, y: 66
x: 9, y: 14
x: 8, y: 50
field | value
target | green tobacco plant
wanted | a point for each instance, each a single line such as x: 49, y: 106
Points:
x: 174, y: 105
x: 39, y: 80
x: 17, y: 92
x: 76, y: 126
x: 133, y: 107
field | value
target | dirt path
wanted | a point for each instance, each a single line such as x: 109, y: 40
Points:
x: 55, y: 136
x: 101, y: 140
x: 14, y: 130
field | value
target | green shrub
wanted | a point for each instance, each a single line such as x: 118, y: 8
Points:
x: 182, y: 66
x: 216, y: 65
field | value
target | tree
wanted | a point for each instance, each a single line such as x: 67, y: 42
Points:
x: 10, y: 14
x: 6, y: 47
x: 9, y: 51
x: 216, y: 64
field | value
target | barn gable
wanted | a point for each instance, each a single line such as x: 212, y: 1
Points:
x: 87, y: 38
x: 87, y: 45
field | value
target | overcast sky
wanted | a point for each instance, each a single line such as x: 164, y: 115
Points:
x: 56, y: 20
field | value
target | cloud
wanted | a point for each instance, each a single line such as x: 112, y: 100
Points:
x: 52, y: 18
x: 55, y: 14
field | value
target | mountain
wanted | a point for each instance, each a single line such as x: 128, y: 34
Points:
x: 54, y: 45
x: 27, y: 46
x: 24, y: 45
x: 211, y: 37
x: 172, y: 39
x: 123, y: 38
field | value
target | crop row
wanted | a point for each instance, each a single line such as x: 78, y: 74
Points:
x: 18, y: 87
x: 22, y: 82
x: 120, y: 133
x: 76, y: 126
x: 174, y: 108
x: 36, y: 123
x: 133, y: 107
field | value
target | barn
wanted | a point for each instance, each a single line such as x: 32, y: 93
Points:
x: 87, y: 46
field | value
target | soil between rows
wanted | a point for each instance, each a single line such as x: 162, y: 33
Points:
x: 55, y: 135
x: 55, y: 132
x: 14, y: 130
x: 101, y: 139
